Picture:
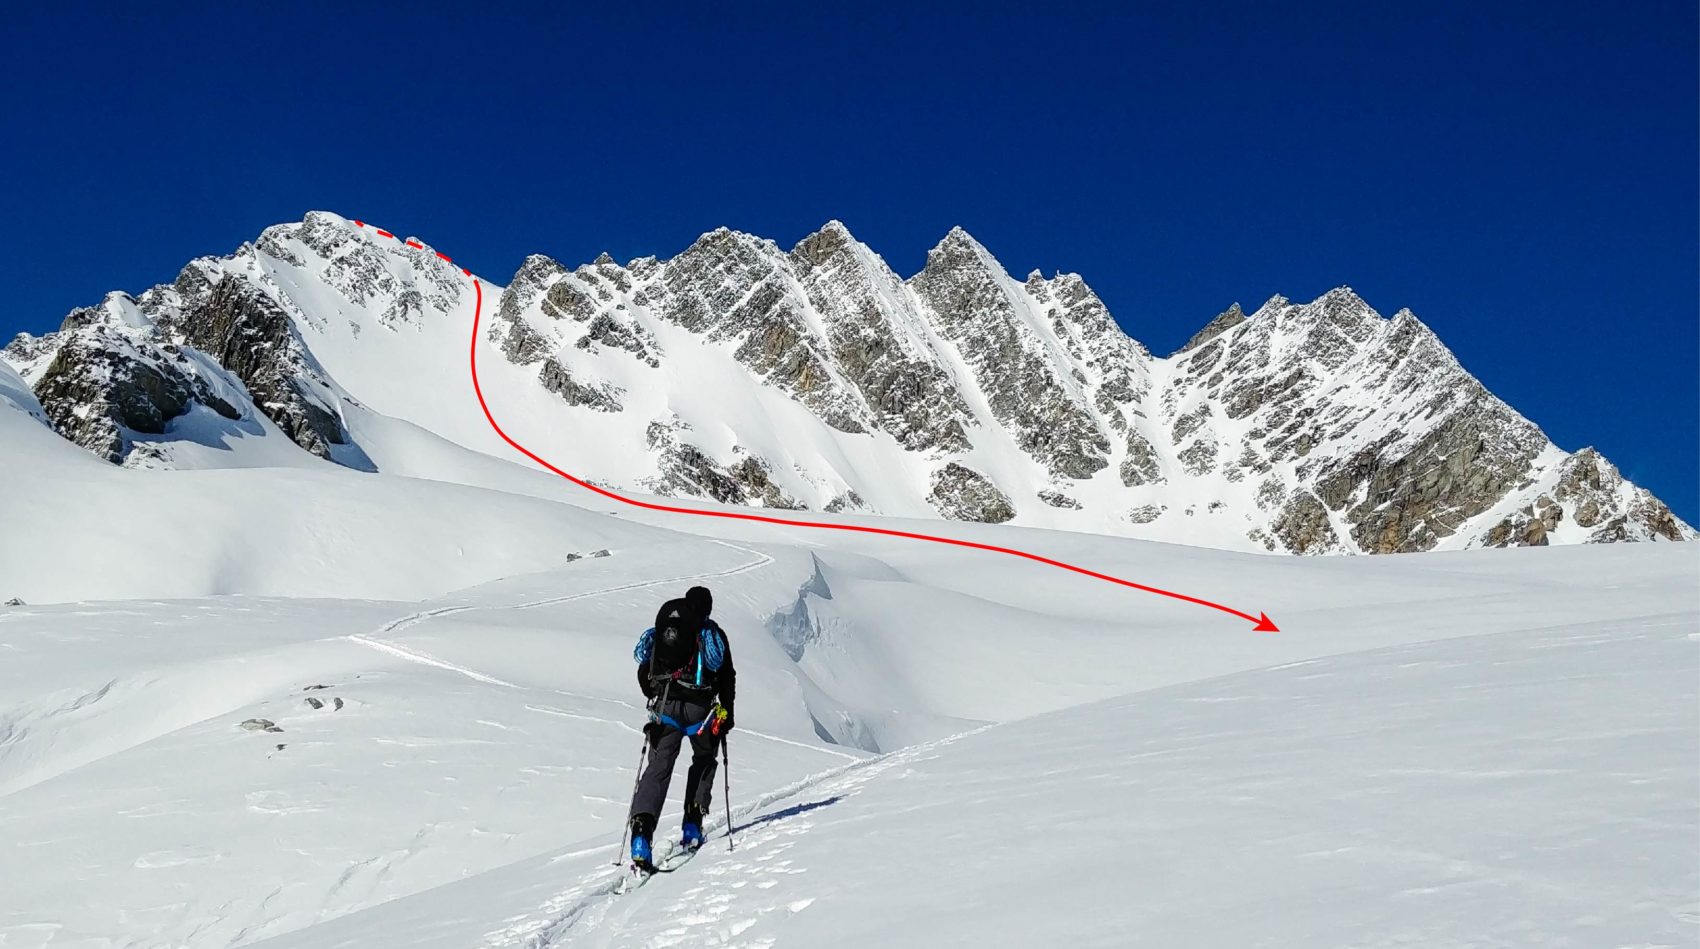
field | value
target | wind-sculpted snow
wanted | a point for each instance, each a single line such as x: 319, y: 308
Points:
x: 820, y: 379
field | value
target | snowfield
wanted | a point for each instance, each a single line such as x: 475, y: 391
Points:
x: 318, y: 708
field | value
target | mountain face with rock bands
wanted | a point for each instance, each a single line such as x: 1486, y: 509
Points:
x: 818, y: 379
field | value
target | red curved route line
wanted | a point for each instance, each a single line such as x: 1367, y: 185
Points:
x: 1264, y: 623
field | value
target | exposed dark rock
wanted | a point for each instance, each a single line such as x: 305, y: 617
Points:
x: 909, y: 395
x: 1140, y: 466
x: 1191, y: 422
x: 1146, y: 513
x: 847, y: 501
x: 605, y: 330
x: 731, y: 286
x: 752, y: 473
x: 963, y: 494
x: 1059, y: 499
x: 252, y: 337
x: 1199, y: 458
x: 104, y: 384
x: 557, y: 378
x: 961, y: 285
x: 1303, y: 526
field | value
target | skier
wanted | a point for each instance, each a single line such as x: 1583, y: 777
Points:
x: 684, y: 663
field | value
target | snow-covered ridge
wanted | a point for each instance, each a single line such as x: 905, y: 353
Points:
x: 818, y: 378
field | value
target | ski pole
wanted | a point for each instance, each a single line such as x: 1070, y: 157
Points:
x: 626, y: 825
x: 726, y: 783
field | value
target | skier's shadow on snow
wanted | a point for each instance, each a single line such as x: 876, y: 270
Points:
x: 791, y: 811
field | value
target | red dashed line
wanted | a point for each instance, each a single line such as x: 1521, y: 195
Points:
x: 413, y: 243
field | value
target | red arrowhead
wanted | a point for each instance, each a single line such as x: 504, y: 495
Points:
x: 1265, y: 624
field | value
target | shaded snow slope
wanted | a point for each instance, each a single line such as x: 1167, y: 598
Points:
x: 75, y: 528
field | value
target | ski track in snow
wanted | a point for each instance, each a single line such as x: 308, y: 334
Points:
x: 592, y: 900
x: 421, y: 657
x: 425, y: 658
x: 414, y: 619
x: 561, y: 914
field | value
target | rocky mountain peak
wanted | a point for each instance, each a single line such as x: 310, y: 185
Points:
x: 1224, y: 321
x: 1343, y: 305
x: 959, y: 249
x: 959, y: 258
x: 726, y: 242
x: 817, y: 248
x: 538, y: 270
x: 1270, y: 307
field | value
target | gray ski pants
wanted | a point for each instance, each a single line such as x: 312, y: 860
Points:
x: 664, y: 744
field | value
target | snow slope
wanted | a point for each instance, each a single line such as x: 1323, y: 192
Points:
x: 76, y: 528
x: 1393, y: 797
x: 309, y: 706
x: 1436, y: 749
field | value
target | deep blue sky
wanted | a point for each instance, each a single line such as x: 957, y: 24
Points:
x: 1523, y: 177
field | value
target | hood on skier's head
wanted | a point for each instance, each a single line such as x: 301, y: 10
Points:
x: 700, y: 600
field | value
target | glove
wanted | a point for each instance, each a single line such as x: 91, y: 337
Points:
x: 723, y: 721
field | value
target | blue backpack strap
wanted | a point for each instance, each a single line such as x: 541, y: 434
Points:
x: 645, y: 644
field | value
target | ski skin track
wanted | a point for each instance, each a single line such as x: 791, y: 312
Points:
x: 420, y: 657
x: 560, y: 918
x: 1263, y: 623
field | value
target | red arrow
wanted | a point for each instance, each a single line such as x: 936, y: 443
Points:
x: 1264, y: 623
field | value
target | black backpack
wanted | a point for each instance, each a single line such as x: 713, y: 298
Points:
x: 673, y: 650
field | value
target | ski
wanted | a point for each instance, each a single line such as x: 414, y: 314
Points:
x: 671, y: 860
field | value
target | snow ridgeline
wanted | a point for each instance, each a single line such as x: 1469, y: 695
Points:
x: 818, y: 379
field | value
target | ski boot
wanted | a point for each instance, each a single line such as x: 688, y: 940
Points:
x: 642, y: 857
x: 690, y: 837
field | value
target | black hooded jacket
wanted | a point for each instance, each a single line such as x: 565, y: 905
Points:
x: 723, y: 682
